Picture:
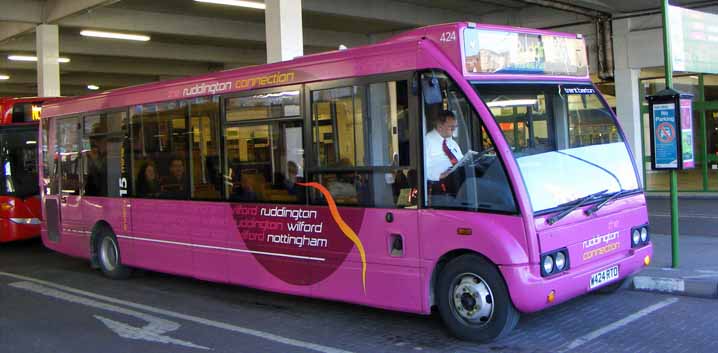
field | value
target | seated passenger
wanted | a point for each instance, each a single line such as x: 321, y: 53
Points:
x: 175, y: 185
x: 291, y: 180
x: 96, y: 171
x: 243, y: 191
x: 147, y: 182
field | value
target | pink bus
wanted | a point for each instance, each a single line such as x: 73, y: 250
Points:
x: 469, y: 168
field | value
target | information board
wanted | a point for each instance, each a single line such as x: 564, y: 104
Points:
x: 694, y: 40
x: 664, y: 136
x: 687, y: 134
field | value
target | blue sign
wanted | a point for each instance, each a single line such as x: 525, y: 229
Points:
x: 665, y: 143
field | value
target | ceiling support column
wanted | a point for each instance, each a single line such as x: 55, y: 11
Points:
x: 48, y: 68
x: 283, y: 22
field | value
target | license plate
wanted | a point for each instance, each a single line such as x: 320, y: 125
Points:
x: 604, y: 276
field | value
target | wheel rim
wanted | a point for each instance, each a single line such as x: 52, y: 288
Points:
x: 108, y: 254
x: 472, y: 299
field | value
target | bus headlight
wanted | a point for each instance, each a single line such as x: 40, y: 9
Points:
x: 560, y: 261
x: 554, y: 262
x: 640, y: 236
x: 33, y: 221
x: 635, y: 237
x: 547, y: 264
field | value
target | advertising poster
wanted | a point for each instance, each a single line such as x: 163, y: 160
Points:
x: 665, y: 146
x: 687, y: 134
x: 694, y: 37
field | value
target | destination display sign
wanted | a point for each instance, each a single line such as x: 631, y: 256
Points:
x: 694, y: 40
x: 503, y: 52
x: 664, y: 136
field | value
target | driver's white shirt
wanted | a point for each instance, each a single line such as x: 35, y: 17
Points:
x: 435, y: 159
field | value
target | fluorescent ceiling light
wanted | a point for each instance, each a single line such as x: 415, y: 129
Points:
x: 511, y: 103
x: 240, y: 3
x: 4, y: 77
x: 93, y: 87
x: 33, y: 58
x: 113, y: 35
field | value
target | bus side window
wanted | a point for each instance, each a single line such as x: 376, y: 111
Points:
x: 263, y: 148
x: 205, y: 169
x: 49, y: 173
x: 68, y: 152
x: 159, y: 140
x: 103, y: 139
x: 362, y: 144
x: 462, y: 169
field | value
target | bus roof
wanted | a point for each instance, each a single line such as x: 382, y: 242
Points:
x: 398, y: 53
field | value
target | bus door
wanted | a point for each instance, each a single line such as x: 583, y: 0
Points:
x: 68, y: 149
x: 49, y: 183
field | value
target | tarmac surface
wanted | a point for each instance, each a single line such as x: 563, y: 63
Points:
x: 54, y: 303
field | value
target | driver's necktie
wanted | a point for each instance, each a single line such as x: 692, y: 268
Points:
x: 448, y: 153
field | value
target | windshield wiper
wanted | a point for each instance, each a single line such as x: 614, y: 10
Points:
x: 575, y: 204
x: 598, y: 206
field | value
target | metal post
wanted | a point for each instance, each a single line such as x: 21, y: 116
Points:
x: 704, y: 133
x: 667, y: 60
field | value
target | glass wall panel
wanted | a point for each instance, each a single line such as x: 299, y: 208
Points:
x: 659, y: 180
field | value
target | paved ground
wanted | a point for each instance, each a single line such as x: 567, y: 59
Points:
x: 53, y: 303
x: 698, y: 215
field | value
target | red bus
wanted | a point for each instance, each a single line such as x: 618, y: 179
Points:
x: 471, y: 168
x: 20, y: 211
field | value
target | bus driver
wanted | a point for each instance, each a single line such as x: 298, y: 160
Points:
x: 441, y: 152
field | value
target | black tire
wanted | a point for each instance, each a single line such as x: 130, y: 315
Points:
x: 108, y: 256
x: 611, y: 288
x: 455, y: 294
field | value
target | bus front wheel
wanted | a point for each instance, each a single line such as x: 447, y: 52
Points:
x: 108, y: 256
x: 473, y: 300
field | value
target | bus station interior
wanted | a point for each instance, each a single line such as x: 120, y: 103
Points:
x: 300, y: 175
x: 192, y: 37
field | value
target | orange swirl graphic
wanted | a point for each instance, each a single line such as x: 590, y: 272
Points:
x: 348, y: 232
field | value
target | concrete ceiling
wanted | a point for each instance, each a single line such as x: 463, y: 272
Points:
x: 190, y: 38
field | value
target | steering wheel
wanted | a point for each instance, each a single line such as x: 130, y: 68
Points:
x: 479, y: 158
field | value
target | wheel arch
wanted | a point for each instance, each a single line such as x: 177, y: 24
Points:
x: 446, y: 259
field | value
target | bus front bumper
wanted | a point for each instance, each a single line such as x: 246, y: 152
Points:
x: 18, y: 229
x: 530, y: 292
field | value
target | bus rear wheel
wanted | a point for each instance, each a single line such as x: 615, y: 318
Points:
x: 473, y: 300
x: 108, y: 256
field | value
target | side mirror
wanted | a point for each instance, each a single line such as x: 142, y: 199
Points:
x: 431, y: 90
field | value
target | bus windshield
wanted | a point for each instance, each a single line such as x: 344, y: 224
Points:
x: 18, y: 160
x: 553, y: 129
